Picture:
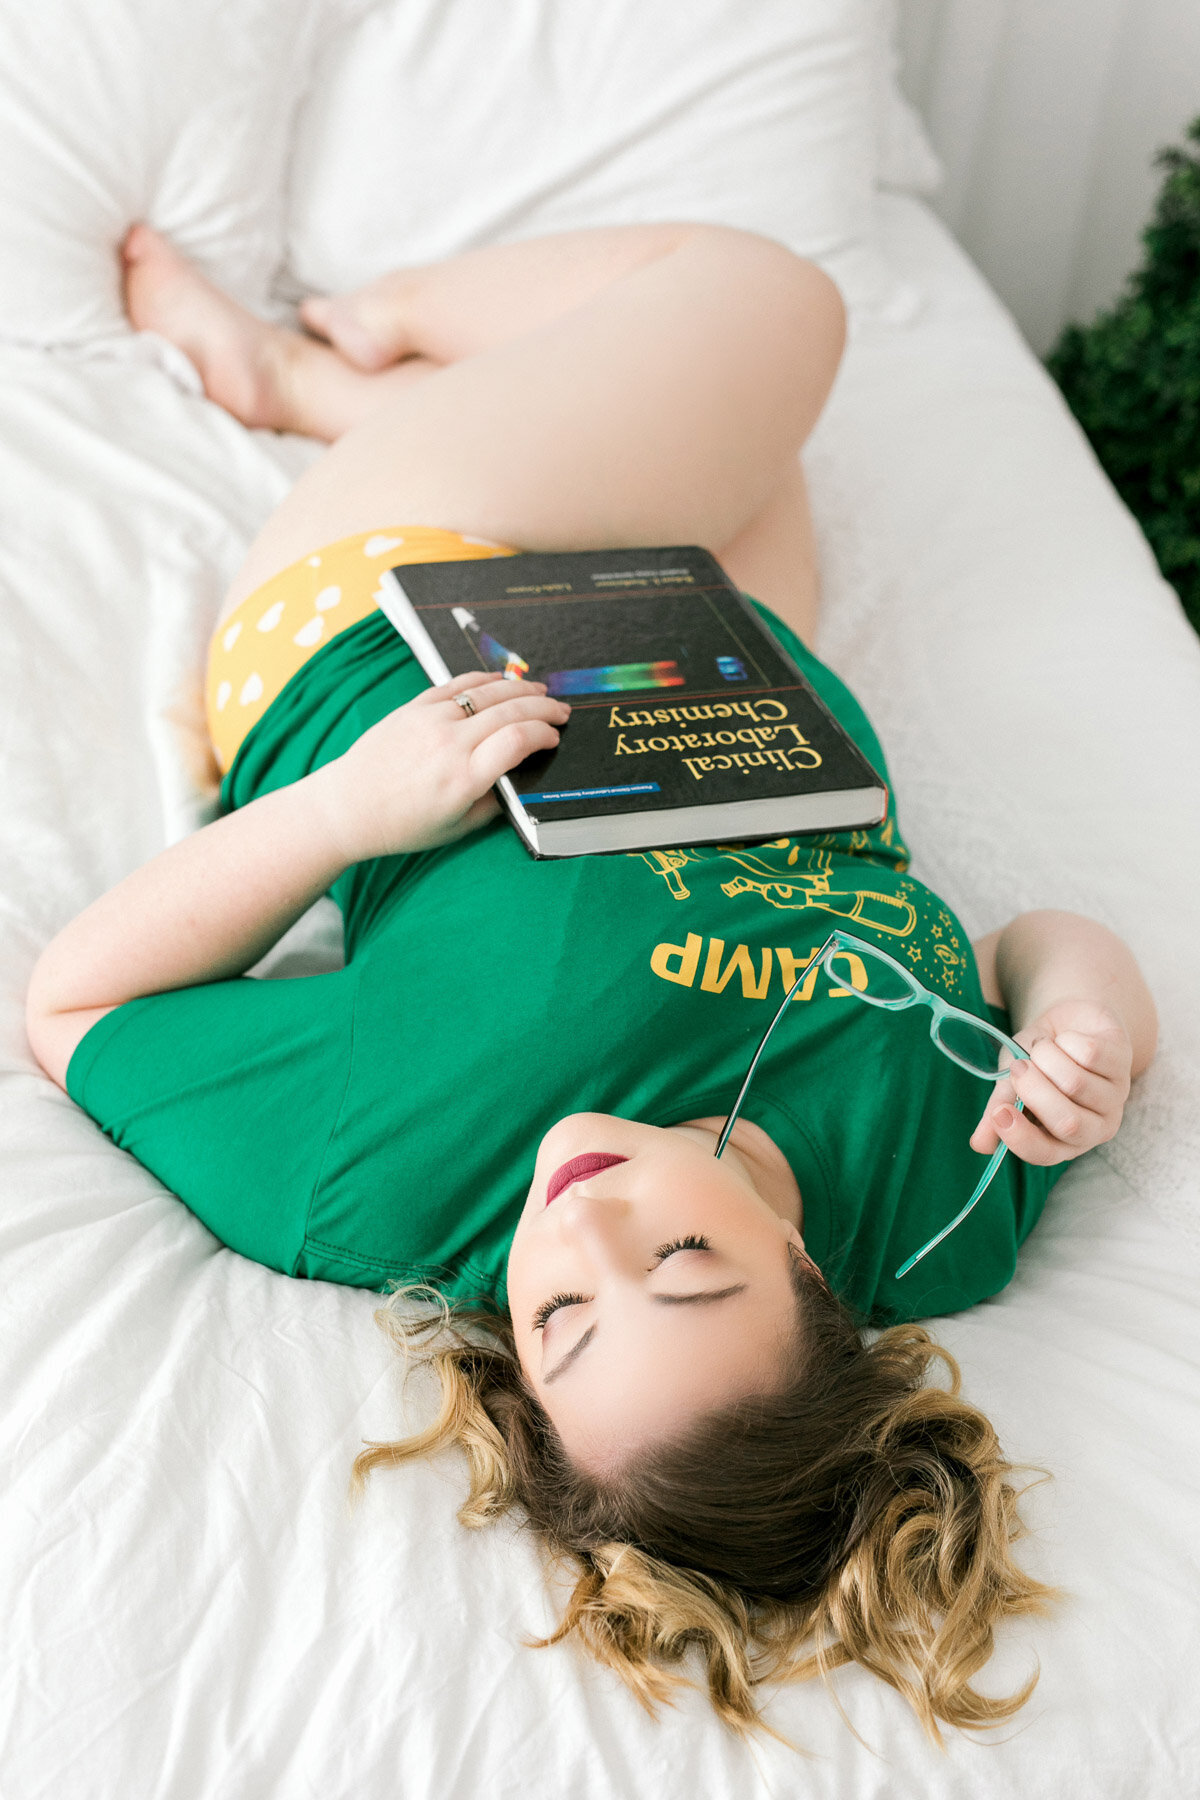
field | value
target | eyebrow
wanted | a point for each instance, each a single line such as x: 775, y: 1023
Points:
x: 725, y: 1293
x: 703, y: 1299
x: 569, y: 1358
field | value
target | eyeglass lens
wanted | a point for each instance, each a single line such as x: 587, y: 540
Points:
x: 973, y: 1045
x: 967, y: 1041
x: 884, y: 984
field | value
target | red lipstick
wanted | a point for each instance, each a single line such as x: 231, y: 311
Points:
x: 590, y: 1163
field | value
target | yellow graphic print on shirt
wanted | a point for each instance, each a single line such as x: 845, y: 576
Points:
x: 862, y: 886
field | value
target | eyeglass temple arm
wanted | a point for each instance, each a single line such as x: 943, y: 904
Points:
x: 985, y: 1181
x: 731, y: 1121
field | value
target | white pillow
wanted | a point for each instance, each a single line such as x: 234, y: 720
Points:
x: 174, y: 111
x: 906, y: 161
x: 437, y: 125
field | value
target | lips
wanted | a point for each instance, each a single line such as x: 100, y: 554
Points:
x: 590, y: 1163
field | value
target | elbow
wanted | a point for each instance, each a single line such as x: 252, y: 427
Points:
x: 39, y: 1029
x: 1144, y: 1037
x: 52, y: 1034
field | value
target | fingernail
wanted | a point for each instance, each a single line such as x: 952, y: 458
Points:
x: 1003, y: 1117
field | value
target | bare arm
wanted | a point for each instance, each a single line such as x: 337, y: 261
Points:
x: 212, y: 905
x: 1080, y: 1006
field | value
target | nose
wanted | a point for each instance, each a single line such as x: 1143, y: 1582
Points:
x: 594, y: 1222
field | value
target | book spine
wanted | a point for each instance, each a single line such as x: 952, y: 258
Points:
x: 395, y: 604
x: 510, y: 800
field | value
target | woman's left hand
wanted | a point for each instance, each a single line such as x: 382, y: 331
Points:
x: 1074, y: 1087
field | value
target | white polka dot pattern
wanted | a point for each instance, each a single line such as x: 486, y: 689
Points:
x: 304, y: 608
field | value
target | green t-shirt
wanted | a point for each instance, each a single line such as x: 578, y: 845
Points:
x: 379, y: 1124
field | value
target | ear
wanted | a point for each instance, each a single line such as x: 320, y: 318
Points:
x: 796, y: 1244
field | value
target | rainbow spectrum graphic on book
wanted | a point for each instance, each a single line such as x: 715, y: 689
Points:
x: 690, y: 723
x: 611, y: 678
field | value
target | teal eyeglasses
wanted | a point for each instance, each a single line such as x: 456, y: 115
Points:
x: 974, y: 1044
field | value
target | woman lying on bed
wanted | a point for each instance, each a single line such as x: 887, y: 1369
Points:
x: 514, y: 1088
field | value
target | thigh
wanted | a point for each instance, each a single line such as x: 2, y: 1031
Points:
x: 774, y: 556
x: 668, y: 408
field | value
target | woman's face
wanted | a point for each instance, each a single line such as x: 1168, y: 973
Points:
x: 649, y: 1290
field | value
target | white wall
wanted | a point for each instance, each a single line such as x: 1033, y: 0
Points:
x: 1047, y: 114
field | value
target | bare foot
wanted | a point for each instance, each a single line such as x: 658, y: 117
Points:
x: 243, y: 362
x: 366, y: 326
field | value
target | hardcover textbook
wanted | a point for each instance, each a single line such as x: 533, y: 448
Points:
x: 690, y: 723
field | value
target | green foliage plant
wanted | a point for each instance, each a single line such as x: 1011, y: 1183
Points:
x: 1132, y: 378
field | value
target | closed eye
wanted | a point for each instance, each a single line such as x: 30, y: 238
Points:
x: 692, y: 1242
x: 552, y: 1305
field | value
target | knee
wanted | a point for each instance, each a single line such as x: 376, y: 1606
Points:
x: 784, y: 285
x: 810, y: 298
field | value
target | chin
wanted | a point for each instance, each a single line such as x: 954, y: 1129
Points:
x: 581, y: 1131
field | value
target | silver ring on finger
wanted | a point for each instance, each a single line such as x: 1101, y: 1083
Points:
x: 466, y: 702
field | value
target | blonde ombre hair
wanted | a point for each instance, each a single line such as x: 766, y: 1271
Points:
x: 857, y: 1514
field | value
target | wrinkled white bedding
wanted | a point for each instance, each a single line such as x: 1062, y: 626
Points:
x: 189, y: 1610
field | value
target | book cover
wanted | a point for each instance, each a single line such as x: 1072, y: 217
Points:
x: 681, y: 697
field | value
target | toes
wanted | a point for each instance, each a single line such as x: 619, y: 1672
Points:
x: 139, y: 240
x: 315, y: 313
x: 341, y: 322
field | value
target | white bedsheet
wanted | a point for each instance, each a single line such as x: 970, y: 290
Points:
x: 189, y: 1611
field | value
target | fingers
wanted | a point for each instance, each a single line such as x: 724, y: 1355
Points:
x: 984, y: 1138
x: 510, y: 745
x: 1073, y: 1087
x: 1104, y: 1051
x: 1085, y: 1084
x: 1053, y: 1127
x: 473, y: 680
x: 1026, y: 1139
x: 506, y: 710
x: 493, y: 715
x: 1077, y: 1127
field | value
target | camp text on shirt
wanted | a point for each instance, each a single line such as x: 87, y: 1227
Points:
x: 681, y: 963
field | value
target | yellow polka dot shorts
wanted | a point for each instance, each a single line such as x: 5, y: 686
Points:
x: 278, y: 628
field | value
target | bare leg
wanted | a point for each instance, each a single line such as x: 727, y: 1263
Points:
x: 264, y: 375
x: 658, y: 391
x: 484, y: 298
x: 774, y: 556
x: 406, y: 324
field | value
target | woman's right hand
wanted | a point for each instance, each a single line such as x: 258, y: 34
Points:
x: 423, y: 775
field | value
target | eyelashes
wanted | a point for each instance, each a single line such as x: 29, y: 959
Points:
x: 549, y: 1306
x: 693, y: 1241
